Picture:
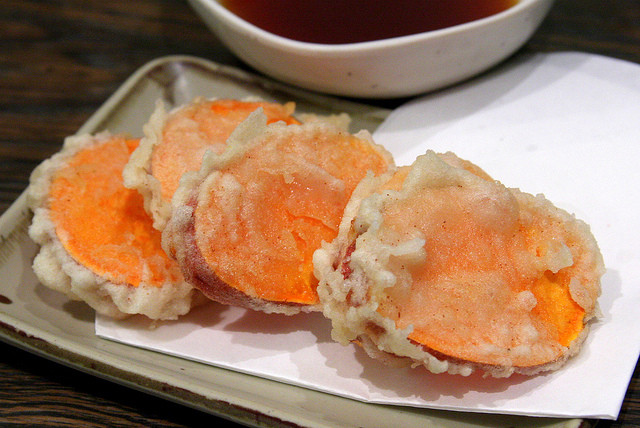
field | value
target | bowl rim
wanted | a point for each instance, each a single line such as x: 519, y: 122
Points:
x: 275, y: 40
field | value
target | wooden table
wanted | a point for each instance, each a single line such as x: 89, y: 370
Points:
x: 60, y: 60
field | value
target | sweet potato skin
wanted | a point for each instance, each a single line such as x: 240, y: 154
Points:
x: 249, y: 221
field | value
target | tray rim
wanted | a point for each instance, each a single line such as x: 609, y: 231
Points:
x: 254, y: 411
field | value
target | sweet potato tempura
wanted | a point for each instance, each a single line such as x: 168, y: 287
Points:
x: 251, y: 219
x: 456, y: 272
x: 98, y: 242
x: 175, y: 142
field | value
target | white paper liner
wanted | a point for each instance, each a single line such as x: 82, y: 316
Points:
x: 563, y: 124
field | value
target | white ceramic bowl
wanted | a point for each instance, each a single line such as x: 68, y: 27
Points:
x: 394, y: 67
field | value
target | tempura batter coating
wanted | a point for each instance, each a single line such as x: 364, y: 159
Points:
x: 244, y: 227
x: 175, y: 141
x: 97, y: 242
x: 438, y: 265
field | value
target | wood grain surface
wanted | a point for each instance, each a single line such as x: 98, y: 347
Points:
x: 60, y: 60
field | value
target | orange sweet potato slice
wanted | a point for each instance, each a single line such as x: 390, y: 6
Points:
x: 101, y: 235
x: 462, y: 273
x: 103, y: 224
x: 175, y: 142
x: 204, y: 126
x: 258, y: 215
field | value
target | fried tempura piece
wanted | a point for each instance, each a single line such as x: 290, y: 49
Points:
x: 440, y: 266
x: 97, y: 242
x: 245, y: 226
x: 174, y: 143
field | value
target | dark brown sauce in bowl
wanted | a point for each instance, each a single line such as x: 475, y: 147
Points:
x: 353, y: 21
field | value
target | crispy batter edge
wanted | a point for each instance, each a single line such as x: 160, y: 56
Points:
x: 137, y: 172
x: 378, y: 335
x: 175, y: 237
x: 58, y: 270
